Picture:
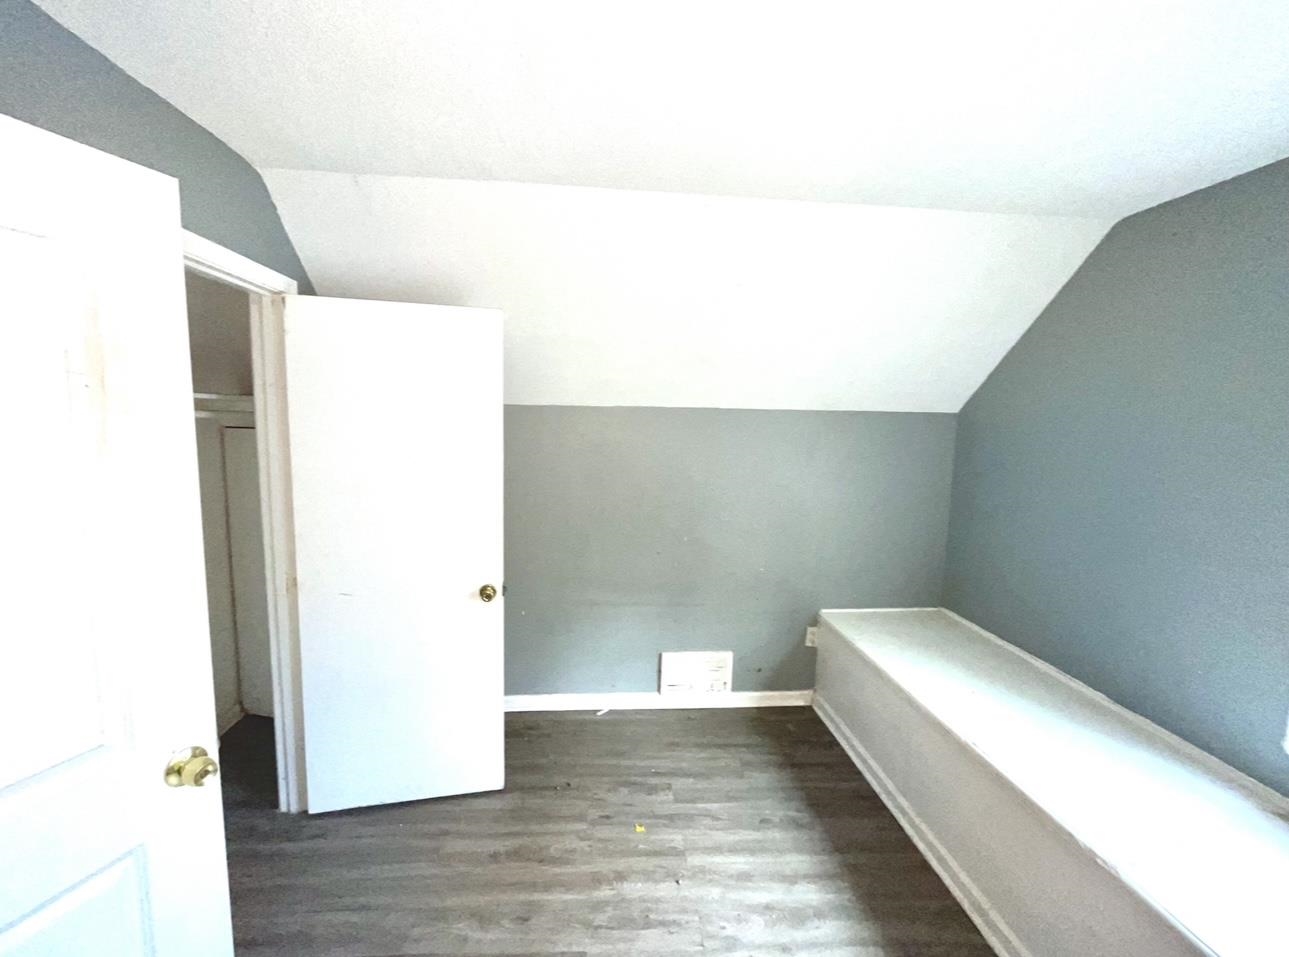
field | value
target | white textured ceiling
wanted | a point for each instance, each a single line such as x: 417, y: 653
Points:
x: 1093, y: 108
x: 622, y: 297
x: 768, y: 205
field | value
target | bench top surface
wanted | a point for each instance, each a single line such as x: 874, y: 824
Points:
x: 1200, y: 839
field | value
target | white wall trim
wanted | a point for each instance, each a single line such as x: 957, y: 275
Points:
x: 214, y: 261
x: 653, y: 701
x: 871, y: 611
x: 209, y: 259
x: 229, y: 420
x: 992, y: 927
x: 230, y: 411
x: 218, y: 402
x: 268, y: 362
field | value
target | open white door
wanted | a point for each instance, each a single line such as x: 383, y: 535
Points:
x: 104, y: 659
x: 394, y: 416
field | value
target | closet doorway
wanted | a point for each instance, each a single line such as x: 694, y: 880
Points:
x: 237, y: 588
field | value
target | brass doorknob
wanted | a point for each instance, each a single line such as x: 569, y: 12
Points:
x: 488, y: 592
x: 190, y: 768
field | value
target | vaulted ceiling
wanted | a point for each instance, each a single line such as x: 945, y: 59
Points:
x: 1040, y: 123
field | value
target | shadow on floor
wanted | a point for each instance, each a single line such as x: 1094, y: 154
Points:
x: 248, y: 765
x: 891, y: 886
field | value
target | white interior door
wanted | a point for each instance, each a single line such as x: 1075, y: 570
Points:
x: 395, y: 432
x: 104, y: 660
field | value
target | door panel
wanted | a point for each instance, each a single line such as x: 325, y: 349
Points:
x: 104, y: 665
x: 395, y: 421
x: 106, y: 909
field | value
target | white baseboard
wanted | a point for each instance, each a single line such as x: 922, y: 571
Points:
x: 986, y: 919
x: 652, y: 701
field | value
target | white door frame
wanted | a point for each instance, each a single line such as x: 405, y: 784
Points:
x: 213, y: 261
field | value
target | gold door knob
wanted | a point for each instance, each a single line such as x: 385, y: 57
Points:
x: 190, y: 768
x: 488, y: 592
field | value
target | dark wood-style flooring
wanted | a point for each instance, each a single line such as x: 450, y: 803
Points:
x: 636, y: 833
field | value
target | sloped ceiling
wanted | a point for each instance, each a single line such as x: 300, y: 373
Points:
x: 622, y: 297
x: 1097, y: 108
x: 1066, y: 116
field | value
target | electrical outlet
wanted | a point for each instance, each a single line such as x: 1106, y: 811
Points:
x: 812, y: 636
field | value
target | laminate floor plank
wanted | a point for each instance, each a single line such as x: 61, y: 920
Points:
x: 759, y: 838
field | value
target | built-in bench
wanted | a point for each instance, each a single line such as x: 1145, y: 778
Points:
x: 1065, y: 824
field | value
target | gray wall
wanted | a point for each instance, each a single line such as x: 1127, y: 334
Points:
x: 631, y: 531
x: 51, y: 79
x: 1121, y: 493
x: 219, y: 337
